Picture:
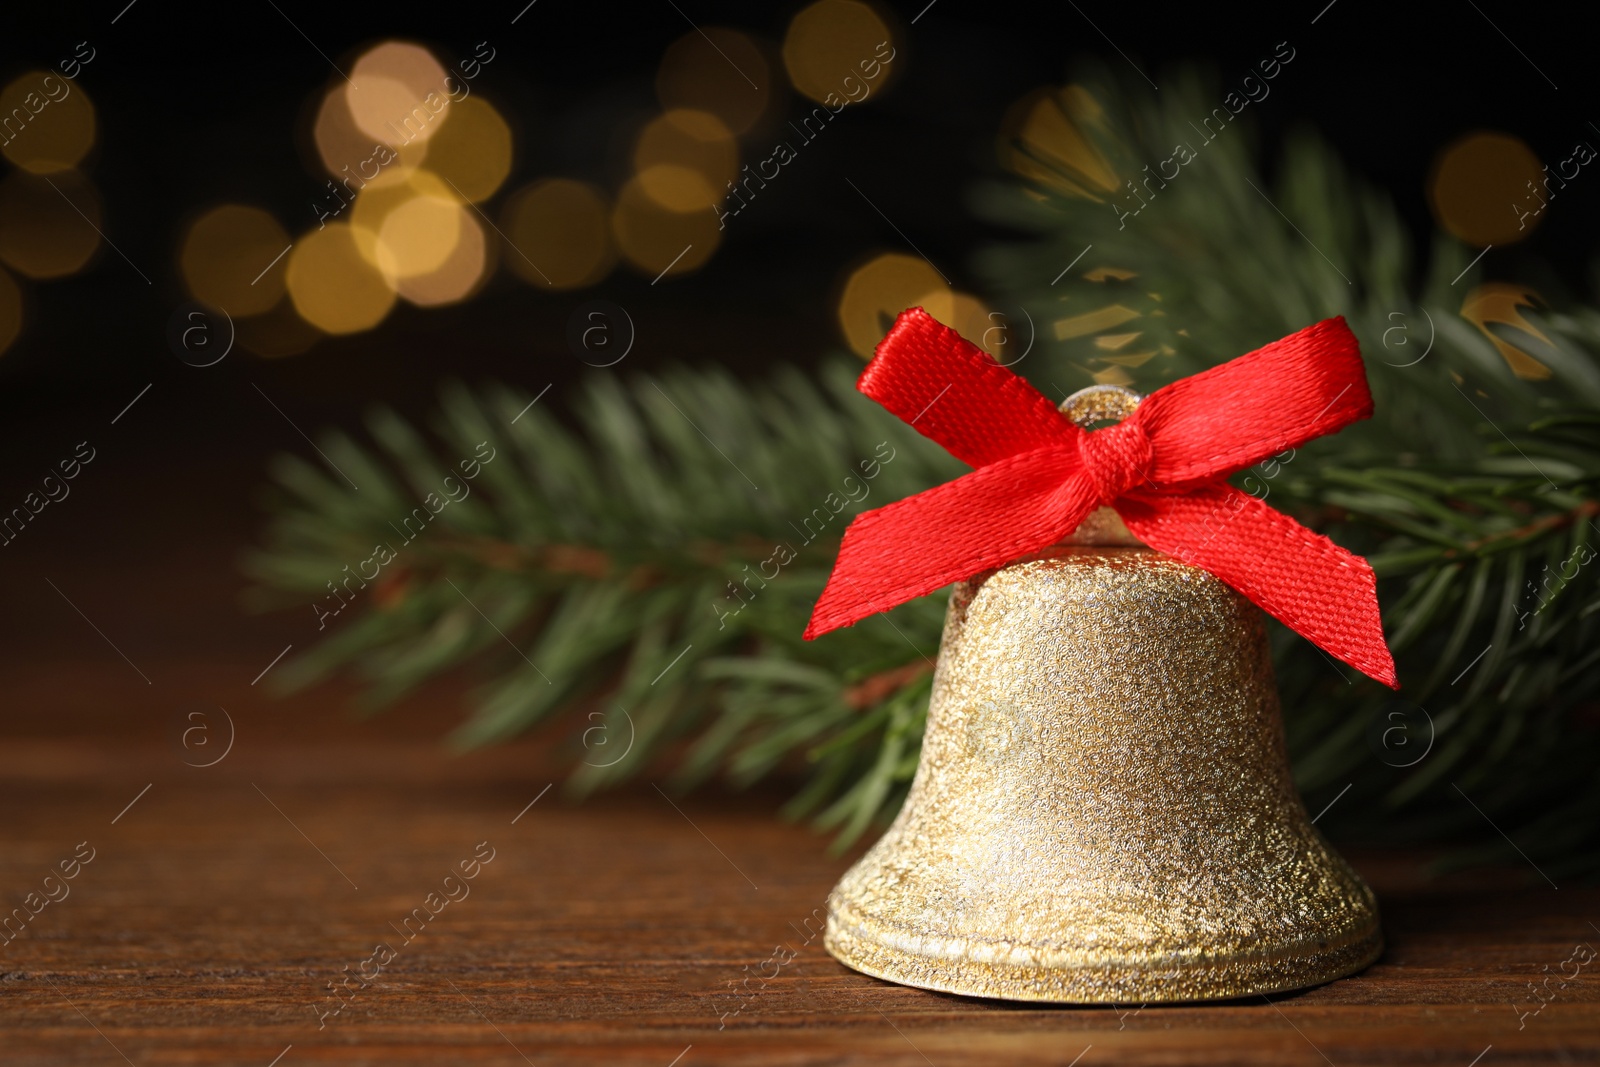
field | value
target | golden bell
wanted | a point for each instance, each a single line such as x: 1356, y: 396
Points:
x: 1103, y: 811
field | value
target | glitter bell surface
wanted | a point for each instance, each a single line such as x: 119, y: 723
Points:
x: 1103, y: 811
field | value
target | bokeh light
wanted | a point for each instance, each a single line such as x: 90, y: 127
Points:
x: 678, y: 188
x: 1501, y: 303
x: 375, y: 202
x: 10, y: 310
x: 1480, y: 184
x: 409, y: 246
x: 472, y: 152
x: 49, y: 224
x: 1045, y: 137
x: 658, y: 241
x: 225, y: 255
x: 459, y: 276
x: 832, y: 47
x: 49, y: 122
x: 560, y: 234
x: 418, y: 236
x: 397, y: 93
x: 334, y: 287
x: 348, y: 153
x: 878, y: 290
x: 719, y: 71
x: 685, y: 160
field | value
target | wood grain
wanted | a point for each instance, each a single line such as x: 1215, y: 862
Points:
x: 616, y: 930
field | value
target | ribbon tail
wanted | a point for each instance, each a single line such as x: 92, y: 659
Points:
x: 1305, y: 581
x: 984, y: 519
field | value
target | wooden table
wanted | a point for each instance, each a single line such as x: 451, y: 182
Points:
x: 222, y: 900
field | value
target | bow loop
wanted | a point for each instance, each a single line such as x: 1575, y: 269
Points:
x: 1116, y: 458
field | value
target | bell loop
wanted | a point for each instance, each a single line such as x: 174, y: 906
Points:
x: 1100, y: 403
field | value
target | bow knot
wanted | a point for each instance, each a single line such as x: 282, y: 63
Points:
x: 1163, y: 468
x: 1115, y: 458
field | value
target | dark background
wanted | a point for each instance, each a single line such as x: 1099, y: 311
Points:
x: 203, y: 104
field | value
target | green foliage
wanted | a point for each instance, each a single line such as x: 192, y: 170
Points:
x: 657, y: 565
x: 1492, y: 607
x: 608, y: 567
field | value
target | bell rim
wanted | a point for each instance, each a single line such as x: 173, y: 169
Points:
x: 1158, y: 979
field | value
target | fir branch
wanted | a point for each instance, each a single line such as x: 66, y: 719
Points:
x: 635, y: 563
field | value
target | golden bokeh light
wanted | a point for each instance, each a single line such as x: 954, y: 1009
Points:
x: 10, y: 310
x: 397, y: 93
x: 879, y: 290
x: 339, y: 144
x: 225, y: 255
x: 1087, y: 323
x: 459, y: 276
x: 375, y: 203
x: 333, y: 286
x: 418, y: 236
x: 1487, y: 189
x: 716, y: 70
x: 48, y: 122
x: 966, y: 315
x: 1046, y: 138
x: 660, y: 242
x: 48, y: 223
x: 420, y: 239
x: 1501, y: 303
x: 355, y: 159
x: 832, y: 49
x: 560, y: 234
x: 674, y: 148
x: 678, y: 188
x: 472, y: 152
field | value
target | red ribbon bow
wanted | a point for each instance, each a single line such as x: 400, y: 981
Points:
x: 1162, y: 468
